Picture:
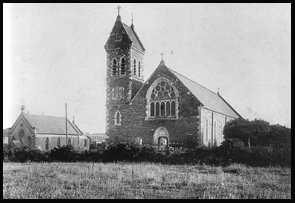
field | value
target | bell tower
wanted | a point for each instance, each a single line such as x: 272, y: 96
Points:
x: 124, y: 71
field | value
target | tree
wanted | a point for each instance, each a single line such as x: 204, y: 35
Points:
x: 280, y: 136
x: 250, y: 132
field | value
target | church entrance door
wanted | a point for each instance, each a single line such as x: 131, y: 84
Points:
x: 161, y: 138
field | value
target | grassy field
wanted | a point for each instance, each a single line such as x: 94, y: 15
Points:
x: 143, y: 181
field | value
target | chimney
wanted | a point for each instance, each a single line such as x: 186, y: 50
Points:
x: 73, y: 119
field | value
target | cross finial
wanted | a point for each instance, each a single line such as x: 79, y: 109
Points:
x: 22, y: 108
x: 119, y: 7
x: 162, y: 55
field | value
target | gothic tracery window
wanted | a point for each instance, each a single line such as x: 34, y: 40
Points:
x: 163, y: 100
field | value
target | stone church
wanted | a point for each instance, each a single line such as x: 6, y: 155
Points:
x: 168, y: 109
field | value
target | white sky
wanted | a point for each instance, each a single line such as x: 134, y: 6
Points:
x: 54, y: 54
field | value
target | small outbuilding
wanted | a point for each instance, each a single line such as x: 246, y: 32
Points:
x: 46, y: 132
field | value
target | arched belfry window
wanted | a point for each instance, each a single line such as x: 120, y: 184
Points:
x: 114, y: 66
x: 123, y: 66
x: 134, y: 67
x: 162, y: 99
x: 117, y: 118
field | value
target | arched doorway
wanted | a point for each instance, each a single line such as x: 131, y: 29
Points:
x: 161, y: 138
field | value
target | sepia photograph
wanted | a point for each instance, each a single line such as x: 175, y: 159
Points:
x: 146, y: 100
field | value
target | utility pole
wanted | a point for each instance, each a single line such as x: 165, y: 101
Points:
x: 66, y: 126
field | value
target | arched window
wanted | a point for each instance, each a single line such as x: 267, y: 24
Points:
x: 69, y: 141
x: 58, y: 142
x: 206, y: 129
x: 157, y: 109
x: 139, y: 69
x: 123, y: 64
x: 113, y: 93
x: 85, y: 143
x: 118, y: 118
x: 162, y: 109
x: 134, y: 67
x: 47, y: 144
x: 168, y: 108
x: 114, y: 65
x: 173, y: 108
x: 29, y: 141
x: 162, y: 99
x: 152, y: 109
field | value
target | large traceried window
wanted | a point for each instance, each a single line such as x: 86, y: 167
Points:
x: 162, y: 101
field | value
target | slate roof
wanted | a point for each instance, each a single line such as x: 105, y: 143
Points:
x: 50, y: 124
x: 209, y: 99
x: 133, y: 37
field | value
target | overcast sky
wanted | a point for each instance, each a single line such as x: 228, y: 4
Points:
x: 54, y: 54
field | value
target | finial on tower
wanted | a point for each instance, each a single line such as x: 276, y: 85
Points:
x: 132, y: 26
x: 119, y: 7
x: 162, y: 55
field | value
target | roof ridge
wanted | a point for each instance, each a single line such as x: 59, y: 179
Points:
x: 137, y: 38
x: 42, y: 115
x: 229, y: 105
x: 192, y: 80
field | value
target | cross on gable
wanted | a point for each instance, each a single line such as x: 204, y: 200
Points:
x: 162, y: 55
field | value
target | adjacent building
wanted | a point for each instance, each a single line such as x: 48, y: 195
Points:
x: 46, y: 132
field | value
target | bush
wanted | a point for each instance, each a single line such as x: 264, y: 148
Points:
x: 231, y: 151
x: 63, y: 154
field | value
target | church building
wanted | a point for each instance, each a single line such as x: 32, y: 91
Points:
x: 46, y: 132
x: 167, y: 109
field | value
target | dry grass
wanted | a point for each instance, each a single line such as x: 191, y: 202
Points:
x: 143, y: 181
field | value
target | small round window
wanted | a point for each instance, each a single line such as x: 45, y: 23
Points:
x: 21, y: 125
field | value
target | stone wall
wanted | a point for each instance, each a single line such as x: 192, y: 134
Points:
x: 184, y: 130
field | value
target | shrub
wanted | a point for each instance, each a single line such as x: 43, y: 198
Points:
x: 64, y: 154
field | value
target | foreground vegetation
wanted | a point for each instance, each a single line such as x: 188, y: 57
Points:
x: 143, y: 181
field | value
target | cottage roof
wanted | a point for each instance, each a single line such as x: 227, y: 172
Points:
x: 51, y: 124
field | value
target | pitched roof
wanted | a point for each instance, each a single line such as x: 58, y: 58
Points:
x: 50, y: 124
x: 209, y: 99
x: 133, y: 37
